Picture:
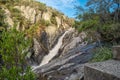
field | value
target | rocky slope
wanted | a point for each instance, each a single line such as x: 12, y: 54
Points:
x: 46, y: 26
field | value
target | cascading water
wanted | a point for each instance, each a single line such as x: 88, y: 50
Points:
x: 54, y: 51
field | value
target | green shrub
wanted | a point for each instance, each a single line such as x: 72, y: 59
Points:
x: 13, y: 46
x: 102, y: 54
x: 32, y: 30
x: 53, y: 20
x: 16, y: 73
x: 16, y: 14
x: 44, y: 23
x: 89, y: 24
x: 110, y: 31
x: 42, y: 7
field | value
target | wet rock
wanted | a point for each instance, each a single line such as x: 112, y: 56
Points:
x: 70, y: 59
x: 67, y: 67
x: 39, y: 51
x: 72, y: 41
x: 44, y: 40
x: 53, y: 35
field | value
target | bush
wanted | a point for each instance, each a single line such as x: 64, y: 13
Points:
x: 102, y: 54
x: 53, y: 20
x: 89, y: 24
x: 111, y: 31
x: 16, y: 73
x: 44, y: 23
x: 13, y: 46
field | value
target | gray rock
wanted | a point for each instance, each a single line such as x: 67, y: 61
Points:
x: 67, y: 67
x: 116, y: 52
x: 108, y: 70
x: 39, y: 51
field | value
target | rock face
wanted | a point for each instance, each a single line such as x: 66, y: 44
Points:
x: 34, y: 15
x: 53, y: 34
x: 39, y: 51
x: 59, y: 21
x: 47, y: 16
x: 28, y: 12
x: 72, y: 40
x: 69, y: 66
x: 8, y: 18
x: 108, y: 70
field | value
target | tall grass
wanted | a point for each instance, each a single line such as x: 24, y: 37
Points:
x: 102, y: 54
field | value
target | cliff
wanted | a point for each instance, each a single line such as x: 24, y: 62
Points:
x: 35, y: 19
x: 25, y: 13
x: 52, y: 34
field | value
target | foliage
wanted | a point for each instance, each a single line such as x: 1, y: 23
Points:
x: 18, y: 18
x: 102, y: 54
x: 76, y: 24
x: 13, y: 50
x: 53, y: 20
x: 87, y: 25
x: 16, y: 15
x: 32, y: 30
x: 44, y: 22
x: 8, y: 2
x: 55, y: 13
x: 37, y: 5
x: 42, y: 7
x: 101, y: 18
x: 110, y: 32
x: 16, y: 73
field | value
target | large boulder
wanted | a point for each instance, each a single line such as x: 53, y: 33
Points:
x: 108, y: 70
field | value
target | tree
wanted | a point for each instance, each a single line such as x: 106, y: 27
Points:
x: 13, y: 50
x: 101, y: 16
x: 105, y: 7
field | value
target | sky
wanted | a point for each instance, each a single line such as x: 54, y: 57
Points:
x: 65, y: 6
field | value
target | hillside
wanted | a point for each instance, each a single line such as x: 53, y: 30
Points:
x: 30, y: 27
x: 23, y: 14
x: 38, y: 42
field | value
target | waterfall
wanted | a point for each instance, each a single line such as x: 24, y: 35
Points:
x: 54, y: 51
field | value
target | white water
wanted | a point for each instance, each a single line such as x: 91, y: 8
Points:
x: 53, y: 52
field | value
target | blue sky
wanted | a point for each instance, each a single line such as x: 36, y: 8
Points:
x: 64, y: 6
